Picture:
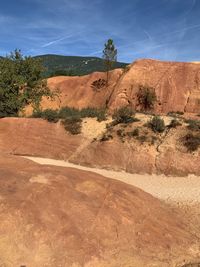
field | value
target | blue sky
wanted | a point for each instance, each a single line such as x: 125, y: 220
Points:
x: 159, y: 29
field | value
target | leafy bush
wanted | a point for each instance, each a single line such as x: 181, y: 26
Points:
x: 191, y: 142
x: 123, y: 115
x: 67, y: 112
x: 193, y: 125
x: 157, y: 124
x: 21, y: 83
x: 47, y: 114
x: 146, y: 97
x: 72, y: 125
x: 100, y: 114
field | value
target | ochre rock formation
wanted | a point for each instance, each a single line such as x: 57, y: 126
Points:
x: 53, y: 216
x: 78, y: 91
x: 177, y: 86
x: 37, y: 137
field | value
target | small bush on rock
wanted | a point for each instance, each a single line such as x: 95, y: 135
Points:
x: 146, y: 97
x: 67, y: 112
x: 157, y: 124
x: 191, y: 142
x: 47, y: 114
x: 72, y: 125
x: 193, y: 125
x: 123, y: 115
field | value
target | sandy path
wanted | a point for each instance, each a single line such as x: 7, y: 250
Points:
x: 181, y: 190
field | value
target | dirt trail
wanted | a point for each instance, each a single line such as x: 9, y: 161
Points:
x: 174, y: 190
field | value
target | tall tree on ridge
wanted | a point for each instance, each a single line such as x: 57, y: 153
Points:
x: 109, y: 56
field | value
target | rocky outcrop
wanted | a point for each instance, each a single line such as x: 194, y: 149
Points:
x: 177, y: 86
x: 53, y: 216
x: 37, y: 137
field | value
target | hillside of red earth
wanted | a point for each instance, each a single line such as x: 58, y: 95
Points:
x: 54, y: 216
x: 132, y: 147
x: 176, y: 84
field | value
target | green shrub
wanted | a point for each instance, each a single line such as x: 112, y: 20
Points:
x: 193, y: 125
x: 101, y: 115
x: 72, y: 125
x: 123, y: 115
x: 157, y: 124
x: 191, y: 142
x: 47, y: 114
x: 67, y: 112
x: 146, y: 97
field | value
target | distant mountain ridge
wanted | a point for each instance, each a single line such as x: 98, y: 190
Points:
x: 73, y: 65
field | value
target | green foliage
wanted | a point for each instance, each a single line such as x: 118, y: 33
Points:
x: 73, y: 125
x: 61, y: 73
x: 191, y: 142
x: 109, y: 56
x: 193, y: 125
x: 101, y: 115
x: 123, y: 115
x: 47, y: 114
x: 146, y: 97
x: 157, y: 124
x: 66, y: 112
x: 20, y: 83
x: 73, y: 66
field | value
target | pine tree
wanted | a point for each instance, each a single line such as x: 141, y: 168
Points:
x: 109, y: 56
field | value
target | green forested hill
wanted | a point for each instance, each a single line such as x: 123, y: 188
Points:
x: 73, y: 65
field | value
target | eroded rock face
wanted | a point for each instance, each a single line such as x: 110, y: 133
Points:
x: 177, y: 85
x: 53, y: 216
x: 37, y: 137
x: 79, y: 92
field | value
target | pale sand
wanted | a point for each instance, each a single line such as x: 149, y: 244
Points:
x: 174, y: 190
